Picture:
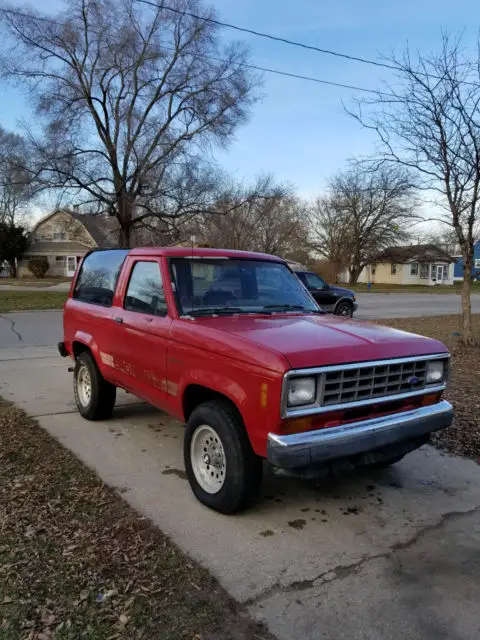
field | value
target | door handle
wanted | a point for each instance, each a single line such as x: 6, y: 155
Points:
x: 118, y: 320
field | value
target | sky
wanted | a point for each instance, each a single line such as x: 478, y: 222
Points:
x: 299, y: 131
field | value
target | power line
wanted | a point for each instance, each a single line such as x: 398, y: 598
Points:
x: 294, y: 43
x: 269, y: 36
x: 278, y: 72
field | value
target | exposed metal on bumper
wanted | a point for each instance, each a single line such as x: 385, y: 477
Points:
x: 312, y: 447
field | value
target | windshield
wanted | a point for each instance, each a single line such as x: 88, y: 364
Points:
x: 206, y: 286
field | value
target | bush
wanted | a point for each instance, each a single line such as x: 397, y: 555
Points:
x: 38, y: 266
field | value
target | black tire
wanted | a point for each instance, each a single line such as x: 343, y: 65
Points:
x: 99, y: 405
x: 242, y: 470
x: 344, y: 308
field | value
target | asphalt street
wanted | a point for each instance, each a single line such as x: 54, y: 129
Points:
x: 368, y: 556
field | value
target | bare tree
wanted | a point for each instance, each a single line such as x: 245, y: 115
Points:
x: 443, y: 237
x: 129, y: 97
x: 16, y: 189
x: 429, y: 123
x: 367, y: 209
x: 264, y: 216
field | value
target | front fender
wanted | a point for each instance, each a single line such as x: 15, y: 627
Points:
x: 216, y: 382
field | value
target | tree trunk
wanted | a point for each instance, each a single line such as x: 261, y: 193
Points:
x: 12, y: 264
x: 354, y: 273
x: 124, y: 237
x: 124, y: 217
x: 467, y: 333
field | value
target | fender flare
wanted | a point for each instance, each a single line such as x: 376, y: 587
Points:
x: 227, y: 387
x: 344, y: 299
x: 88, y: 340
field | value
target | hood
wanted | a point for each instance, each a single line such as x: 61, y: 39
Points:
x: 310, y: 340
x: 343, y: 292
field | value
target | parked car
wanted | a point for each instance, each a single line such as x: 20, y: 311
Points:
x: 333, y: 299
x: 233, y: 345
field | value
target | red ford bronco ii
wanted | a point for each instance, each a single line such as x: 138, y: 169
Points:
x: 233, y: 344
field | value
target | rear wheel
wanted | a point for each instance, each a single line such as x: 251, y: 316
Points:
x: 223, y: 471
x: 344, y: 309
x: 95, y: 397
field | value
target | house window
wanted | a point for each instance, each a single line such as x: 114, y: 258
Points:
x: 414, y: 269
x: 59, y: 234
x: 424, y: 271
x: 477, y: 263
x: 374, y: 269
x: 59, y: 260
x: 394, y: 269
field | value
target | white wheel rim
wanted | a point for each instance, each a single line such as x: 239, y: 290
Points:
x: 84, y: 386
x: 345, y: 310
x: 208, y: 459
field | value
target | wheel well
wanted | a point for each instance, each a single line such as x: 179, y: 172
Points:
x: 80, y: 347
x: 195, y: 394
x: 348, y: 301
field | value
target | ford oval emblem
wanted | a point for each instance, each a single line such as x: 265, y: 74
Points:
x: 413, y: 381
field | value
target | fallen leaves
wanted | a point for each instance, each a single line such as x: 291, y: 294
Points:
x: 77, y: 562
x: 463, y: 437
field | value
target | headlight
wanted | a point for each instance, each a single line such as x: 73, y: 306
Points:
x: 301, y: 391
x: 435, y: 371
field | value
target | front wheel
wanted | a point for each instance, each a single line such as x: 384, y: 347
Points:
x: 222, y: 469
x: 344, y: 309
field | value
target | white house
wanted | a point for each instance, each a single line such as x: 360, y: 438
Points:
x: 423, y: 264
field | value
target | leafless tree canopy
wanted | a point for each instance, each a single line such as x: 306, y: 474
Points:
x: 16, y: 189
x: 430, y: 123
x: 367, y: 209
x: 130, y: 98
x: 274, y: 223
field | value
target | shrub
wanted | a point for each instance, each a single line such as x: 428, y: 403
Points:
x: 38, y: 266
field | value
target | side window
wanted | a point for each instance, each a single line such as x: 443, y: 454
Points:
x: 98, y: 276
x: 314, y: 282
x: 145, y: 290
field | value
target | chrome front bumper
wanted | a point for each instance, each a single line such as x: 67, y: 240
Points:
x: 324, y: 445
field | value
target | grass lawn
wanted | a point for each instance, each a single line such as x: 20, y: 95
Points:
x: 463, y: 437
x: 32, y: 282
x: 31, y: 300
x: 413, y: 288
x: 77, y: 562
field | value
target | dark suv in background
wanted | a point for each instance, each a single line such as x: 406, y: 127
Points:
x: 333, y: 299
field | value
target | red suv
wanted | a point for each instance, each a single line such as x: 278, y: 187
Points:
x: 234, y: 345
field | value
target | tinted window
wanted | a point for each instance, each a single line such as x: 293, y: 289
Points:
x: 98, y: 276
x: 314, y: 281
x: 145, y: 290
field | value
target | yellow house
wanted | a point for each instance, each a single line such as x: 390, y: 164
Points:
x: 423, y: 264
x: 64, y: 237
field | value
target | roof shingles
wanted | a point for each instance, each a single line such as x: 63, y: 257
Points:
x: 413, y: 253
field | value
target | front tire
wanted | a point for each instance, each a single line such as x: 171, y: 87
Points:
x: 344, y: 309
x: 222, y: 469
x: 95, y: 397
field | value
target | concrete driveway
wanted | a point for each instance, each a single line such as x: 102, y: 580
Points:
x: 362, y: 557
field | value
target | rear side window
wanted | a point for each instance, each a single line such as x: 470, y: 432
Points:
x: 98, y: 277
x: 145, y: 292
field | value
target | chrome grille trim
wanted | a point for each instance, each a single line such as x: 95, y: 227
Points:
x: 362, y: 383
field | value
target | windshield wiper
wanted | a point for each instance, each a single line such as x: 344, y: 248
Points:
x: 208, y: 311
x: 291, y: 307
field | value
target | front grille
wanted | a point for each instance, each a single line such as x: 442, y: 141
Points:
x: 374, y: 381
